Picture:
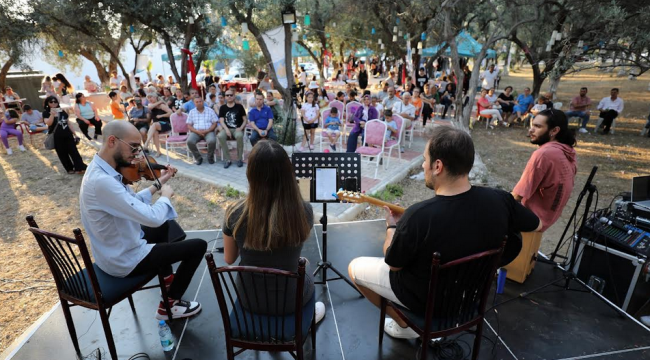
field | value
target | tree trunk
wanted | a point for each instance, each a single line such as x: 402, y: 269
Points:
x: 4, y: 70
x: 537, y: 81
x: 506, y: 69
x: 553, y: 84
x: 104, y: 76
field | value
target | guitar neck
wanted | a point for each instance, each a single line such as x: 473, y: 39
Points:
x: 374, y: 201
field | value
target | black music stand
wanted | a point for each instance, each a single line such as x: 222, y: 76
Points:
x: 348, y: 178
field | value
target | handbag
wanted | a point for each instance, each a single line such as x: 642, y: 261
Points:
x: 49, y: 140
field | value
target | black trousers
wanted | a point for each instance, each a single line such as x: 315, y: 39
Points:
x: 188, y: 252
x: 427, y: 111
x: 66, y: 150
x: 608, y: 118
x: 84, y: 127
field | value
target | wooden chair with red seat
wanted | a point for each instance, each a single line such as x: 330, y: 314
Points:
x: 458, y: 293
x: 81, y: 282
x: 275, y: 327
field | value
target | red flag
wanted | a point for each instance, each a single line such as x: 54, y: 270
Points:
x: 404, y: 76
x: 190, y: 65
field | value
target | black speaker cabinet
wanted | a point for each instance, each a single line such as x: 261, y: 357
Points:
x: 616, y: 275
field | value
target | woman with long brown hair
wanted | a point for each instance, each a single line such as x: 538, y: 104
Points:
x: 265, y: 229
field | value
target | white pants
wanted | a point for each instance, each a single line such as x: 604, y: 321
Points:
x: 405, y: 125
x: 373, y: 273
x: 494, y: 112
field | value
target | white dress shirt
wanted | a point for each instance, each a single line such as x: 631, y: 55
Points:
x: 400, y: 108
x: 488, y: 79
x: 111, y: 214
x: 608, y: 103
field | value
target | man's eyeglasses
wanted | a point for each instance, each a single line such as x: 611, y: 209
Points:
x: 229, y: 95
x: 134, y: 149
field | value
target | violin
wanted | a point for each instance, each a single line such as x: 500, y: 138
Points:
x: 146, y: 168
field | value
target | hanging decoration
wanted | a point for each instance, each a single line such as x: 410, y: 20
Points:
x: 131, y: 29
x: 400, y: 33
x: 206, y: 39
x: 419, y: 45
x: 382, y: 46
x: 379, y: 41
x: 397, y: 21
x: 191, y: 20
x: 239, y: 39
x: 307, y: 20
x: 304, y: 37
x: 244, y: 28
x: 394, y: 38
x: 372, y: 31
x: 190, y: 66
x: 327, y: 35
x: 60, y: 53
x: 224, y: 23
x: 245, y: 45
x: 294, y: 37
x: 394, y: 29
x: 294, y: 26
x: 423, y: 36
x: 333, y: 24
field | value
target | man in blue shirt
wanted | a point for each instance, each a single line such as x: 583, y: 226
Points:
x: 112, y: 215
x: 260, y: 119
x: 189, y: 103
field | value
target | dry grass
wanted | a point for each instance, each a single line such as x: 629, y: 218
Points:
x: 35, y: 183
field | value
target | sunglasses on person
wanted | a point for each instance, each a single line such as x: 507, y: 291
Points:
x: 53, y: 101
x: 134, y: 149
x: 229, y: 95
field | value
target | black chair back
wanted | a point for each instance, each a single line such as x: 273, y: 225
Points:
x: 458, y: 290
x: 67, y: 259
x: 260, y: 308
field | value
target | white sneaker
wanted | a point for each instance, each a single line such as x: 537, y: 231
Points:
x: 395, y: 331
x: 582, y: 130
x: 180, y: 309
x: 22, y: 148
x: 9, y: 151
x: 320, y: 311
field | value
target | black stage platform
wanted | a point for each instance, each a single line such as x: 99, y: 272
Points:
x: 550, y: 325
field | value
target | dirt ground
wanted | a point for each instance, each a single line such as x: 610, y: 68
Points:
x: 619, y: 156
x: 35, y: 183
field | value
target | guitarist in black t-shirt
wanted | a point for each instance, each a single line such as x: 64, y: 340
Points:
x: 459, y: 221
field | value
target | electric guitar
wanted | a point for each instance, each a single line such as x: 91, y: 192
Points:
x: 355, y: 197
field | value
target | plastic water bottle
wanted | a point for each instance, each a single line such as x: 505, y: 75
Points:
x: 166, y: 337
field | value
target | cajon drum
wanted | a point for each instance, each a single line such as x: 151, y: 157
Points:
x: 524, y: 263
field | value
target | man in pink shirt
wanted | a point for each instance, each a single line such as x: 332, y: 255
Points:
x: 548, y: 179
x: 580, y: 108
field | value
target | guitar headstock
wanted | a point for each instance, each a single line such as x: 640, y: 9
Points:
x: 350, y: 196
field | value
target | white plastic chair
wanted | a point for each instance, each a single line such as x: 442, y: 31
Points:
x: 600, y: 122
x: 394, y: 144
x: 373, y: 143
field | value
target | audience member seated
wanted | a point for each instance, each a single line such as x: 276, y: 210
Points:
x: 448, y: 98
x: 390, y: 100
x: 90, y: 85
x: 202, y: 123
x: 260, y: 119
x: 391, y: 126
x: 211, y: 90
x: 232, y: 117
x: 12, y: 96
x: 116, y: 106
x: 124, y: 93
x: 416, y: 100
x: 506, y: 101
x: 332, y: 127
x: 274, y: 104
x: 87, y: 115
x: 8, y: 127
x: 33, y: 119
x: 140, y: 117
x: 221, y: 100
x: 278, y: 242
x: 383, y: 93
x: 406, y: 110
x: 579, y: 107
x: 524, y: 102
x: 160, y: 122
x: 374, y: 101
x: 189, y: 104
x: 428, y: 102
x: 486, y: 108
x: 363, y: 114
x: 610, y: 107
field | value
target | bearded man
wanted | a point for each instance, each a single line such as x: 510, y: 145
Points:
x: 460, y: 220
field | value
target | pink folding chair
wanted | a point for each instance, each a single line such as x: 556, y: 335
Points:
x: 394, y: 144
x: 178, y: 136
x: 323, y: 137
x: 373, y: 143
x: 331, y: 96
